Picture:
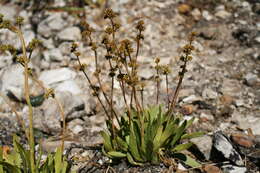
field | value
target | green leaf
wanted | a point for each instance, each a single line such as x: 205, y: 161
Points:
x: 187, y: 160
x: 133, y: 143
x: 58, y: 160
x: 131, y: 160
x: 121, y: 143
x: 11, y: 168
x: 189, y: 122
x: 1, y: 159
x: 156, y: 141
x: 192, y: 135
x: 182, y: 147
x: 169, y: 131
x: 25, y: 155
x: 116, y: 154
x: 179, y: 133
x: 65, y: 167
x: 107, y: 141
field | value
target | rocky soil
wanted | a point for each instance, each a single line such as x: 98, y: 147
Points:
x: 221, y: 88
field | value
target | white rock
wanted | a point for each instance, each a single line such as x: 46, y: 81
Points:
x: 77, y: 129
x: 53, y: 55
x: 70, y: 86
x: 247, y: 121
x: 9, y: 11
x: 209, y: 93
x: 257, y: 39
x: 13, y: 80
x: 190, y: 99
x: 223, y: 14
x: 196, y: 14
x: 71, y: 33
x: 55, y: 22
x: 207, y: 15
x: 251, y: 79
x: 64, y: 47
x: 44, y: 30
x: 57, y: 75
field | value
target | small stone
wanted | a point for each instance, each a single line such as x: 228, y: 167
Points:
x: 187, y: 109
x: 53, y: 55
x: 12, y: 79
x: 196, y: 14
x: 207, y: 15
x: 251, y: 79
x: 190, y: 99
x: 44, y: 30
x: 56, y: 75
x: 233, y: 169
x: 247, y: 121
x: 226, y: 99
x: 184, y: 8
x: 55, y: 22
x: 211, y: 169
x: 239, y: 102
x: 9, y: 11
x: 222, y: 14
x: 206, y: 117
x: 209, y: 93
x: 71, y: 34
x: 65, y: 47
x: 204, y: 144
x: 242, y: 140
x: 77, y: 129
x: 70, y: 86
x: 257, y: 39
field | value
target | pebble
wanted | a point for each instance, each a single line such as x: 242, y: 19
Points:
x: 184, y: 8
x: 70, y: 34
x: 70, y: 86
x: 226, y: 99
x: 207, y: 15
x: 209, y: 94
x: 242, y: 140
x: 55, y: 22
x: 251, y: 79
x: 196, y: 14
x: 50, y: 77
x: 233, y: 169
x: 257, y: 39
x: 211, y: 169
x: 53, y: 55
x: 204, y: 144
x: 13, y: 80
x: 222, y: 14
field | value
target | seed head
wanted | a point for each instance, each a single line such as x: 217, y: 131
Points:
x: 109, y: 13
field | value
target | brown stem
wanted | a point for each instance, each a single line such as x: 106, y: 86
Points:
x: 167, y: 90
x: 176, y: 93
x: 28, y: 101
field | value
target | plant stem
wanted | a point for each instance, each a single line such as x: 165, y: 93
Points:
x: 167, y: 90
x: 177, y: 90
x: 27, y: 97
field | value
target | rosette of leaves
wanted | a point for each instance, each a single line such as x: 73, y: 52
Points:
x: 162, y: 134
x: 18, y: 161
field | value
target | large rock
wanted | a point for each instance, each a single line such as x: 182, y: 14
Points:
x: 48, y: 117
x: 55, y: 76
x: 12, y: 79
x: 71, y: 34
x: 223, y: 148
